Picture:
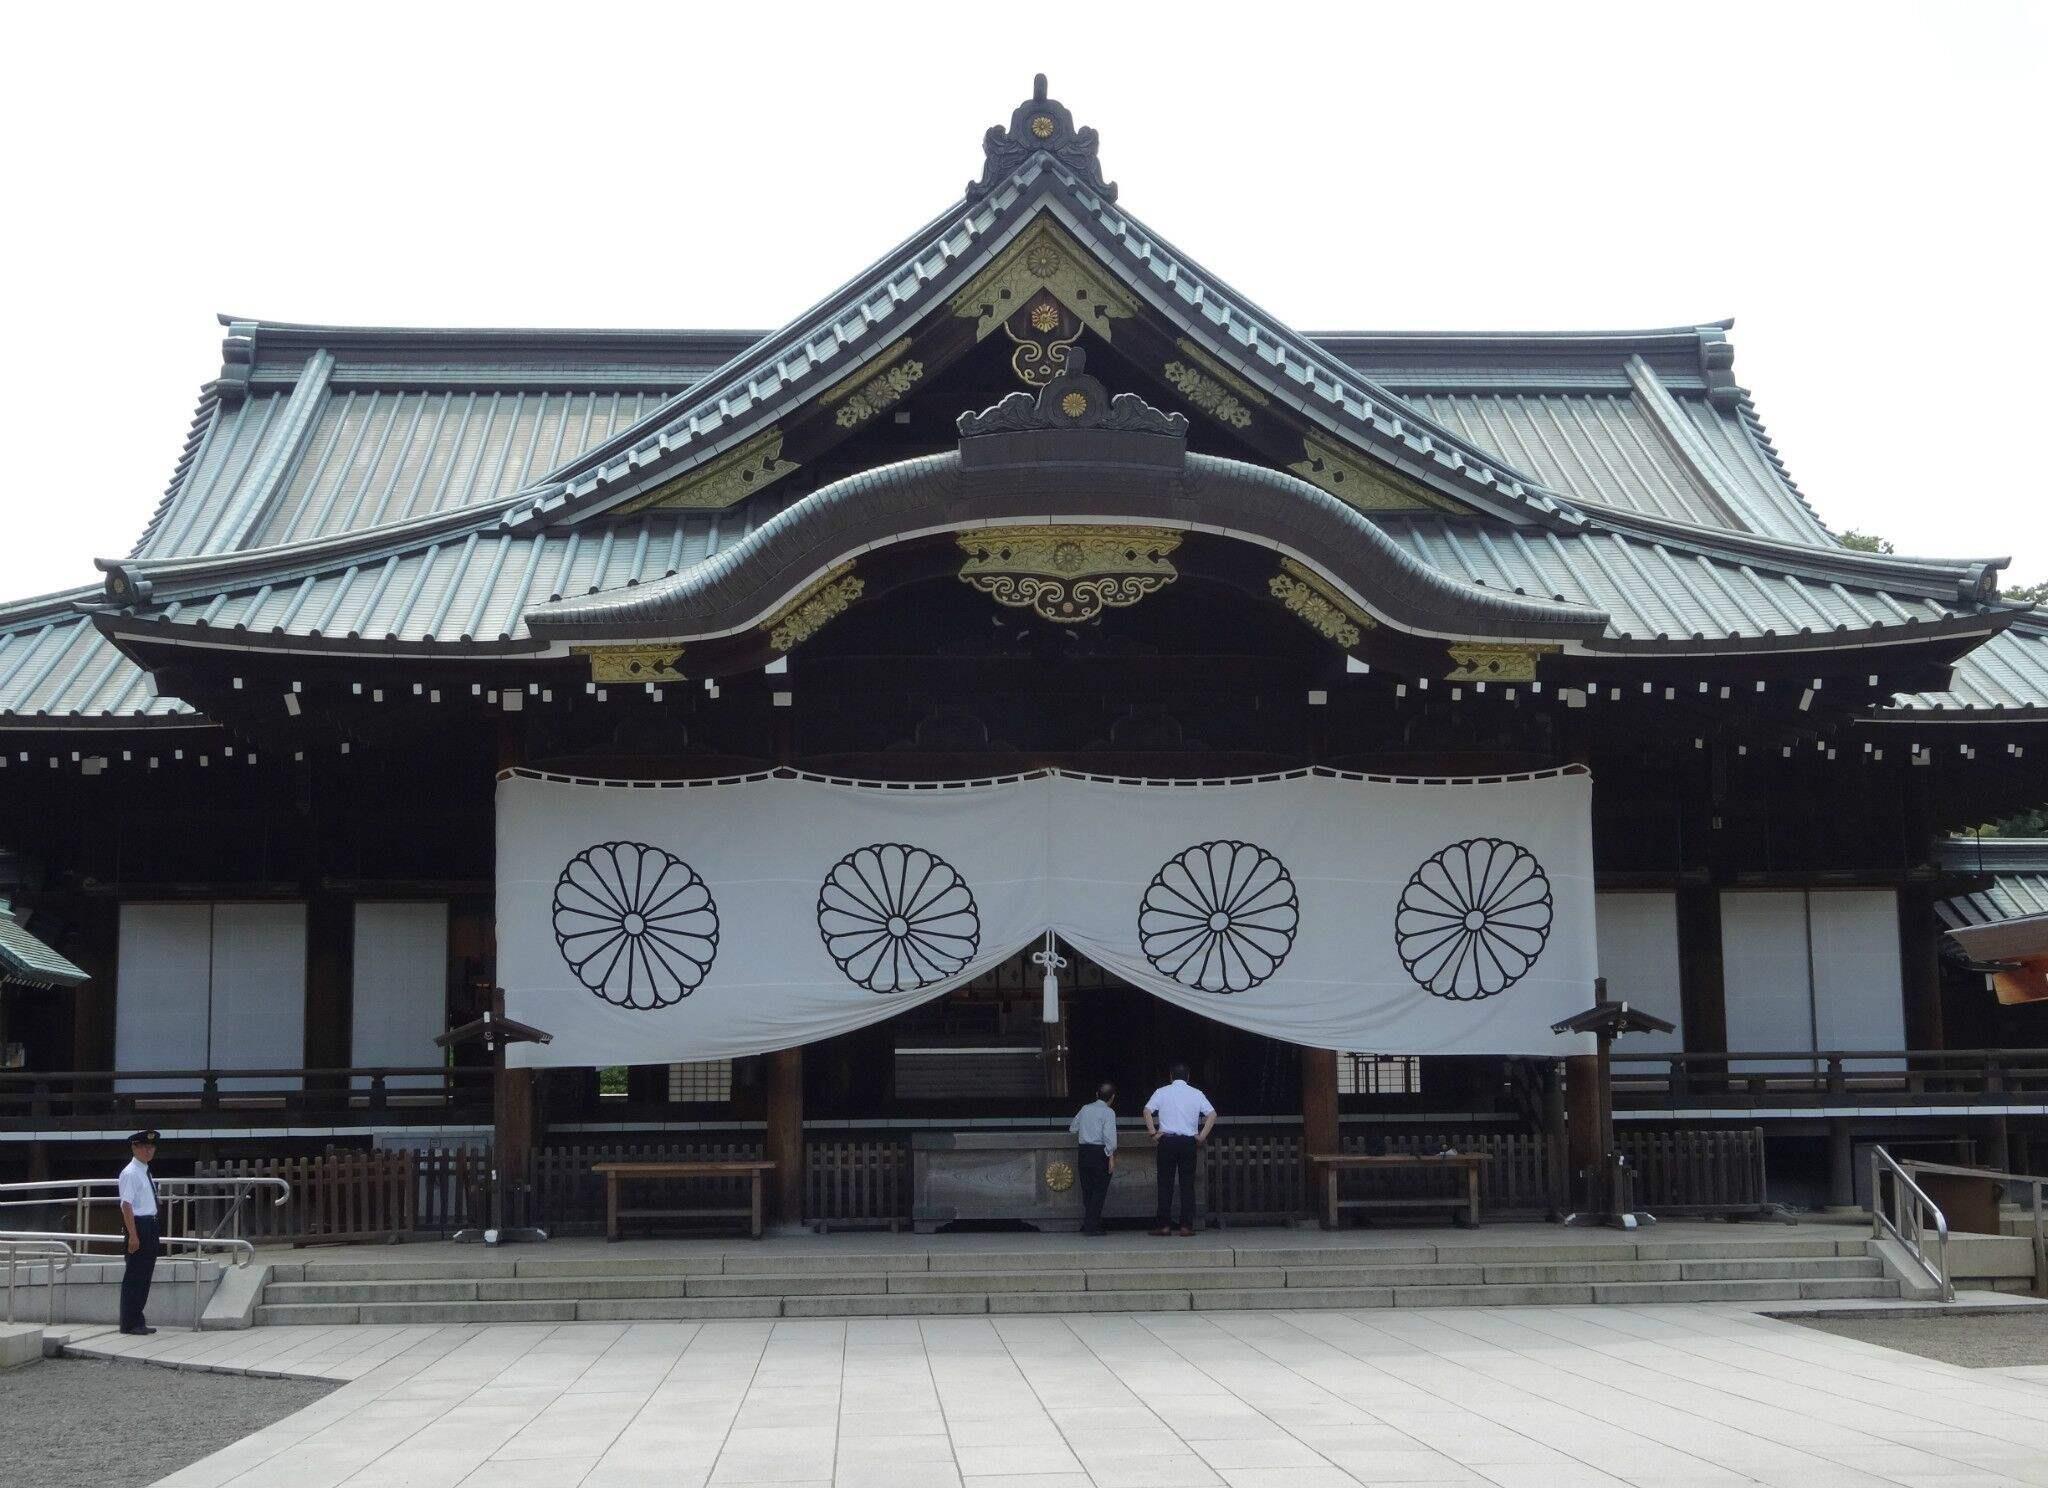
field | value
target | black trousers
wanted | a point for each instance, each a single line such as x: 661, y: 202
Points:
x: 1094, y: 1165
x: 1176, y: 1162
x: 140, y: 1268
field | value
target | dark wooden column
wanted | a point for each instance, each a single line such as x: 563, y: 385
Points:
x: 1702, y: 995
x: 93, y: 1006
x: 1582, y: 1118
x: 515, y: 1110
x: 1319, y: 1127
x: 783, y: 1143
x: 1920, y: 967
x: 330, y: 981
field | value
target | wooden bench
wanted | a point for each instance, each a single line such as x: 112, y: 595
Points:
x: 1464, y: 1213
x: 613, y: 1172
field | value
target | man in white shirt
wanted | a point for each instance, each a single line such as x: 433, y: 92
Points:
x: 1179, y: 1118
x: 139, y: 1219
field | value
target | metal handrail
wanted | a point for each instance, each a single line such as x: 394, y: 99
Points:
x: 242, y: 1251
x: 1997, y: 1175
x: 55, y: 1254
x: 1905, y: 1218
x: 82, y: 1195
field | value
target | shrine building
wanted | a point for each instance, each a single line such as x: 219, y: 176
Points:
x: 1031, y: 666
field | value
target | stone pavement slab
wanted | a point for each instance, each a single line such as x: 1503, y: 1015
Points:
x: 1620, y: 1396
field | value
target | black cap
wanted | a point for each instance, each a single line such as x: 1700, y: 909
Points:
x: 144, y: 1138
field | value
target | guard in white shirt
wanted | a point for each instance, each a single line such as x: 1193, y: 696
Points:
x: 139, y: 1219
x: 1179, y: 1118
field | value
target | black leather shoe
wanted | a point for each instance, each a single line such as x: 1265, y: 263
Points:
x: 138, y: 1332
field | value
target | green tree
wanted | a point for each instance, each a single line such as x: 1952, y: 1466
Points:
x: 1866, y: 542
x: 2027, y: 593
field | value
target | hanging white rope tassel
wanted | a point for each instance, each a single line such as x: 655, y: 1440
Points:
x: 1053, y: 962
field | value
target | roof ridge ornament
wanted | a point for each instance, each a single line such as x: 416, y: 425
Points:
x: 1073, y: 400
x: 1040, y: 123
x: 1071, y: 418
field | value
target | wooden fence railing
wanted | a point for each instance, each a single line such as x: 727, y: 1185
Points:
x: 1248, y: 1176
x: 336, y: 1198
x: 1696, y: 1172
x: 861, y: 1182
x: 422, y: 1095
x: 1251, y: 1176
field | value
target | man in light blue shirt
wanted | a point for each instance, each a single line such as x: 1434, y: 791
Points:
x: 1095, y: 1127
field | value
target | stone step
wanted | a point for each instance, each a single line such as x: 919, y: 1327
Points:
x: 1066, y: 1298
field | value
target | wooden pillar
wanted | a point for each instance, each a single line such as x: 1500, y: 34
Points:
x: 783, y: 1144
x: 1841, y: 1165
x: 515, y: 1106
x: 1998, y: 1144
x: 1320, y: 1131
x: 330, y: 982
x: 1920, y: 967
x: 1702, y: 994
x: 1582, y: 1119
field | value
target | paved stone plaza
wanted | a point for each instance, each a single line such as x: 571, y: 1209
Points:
x: 1662, y: 1397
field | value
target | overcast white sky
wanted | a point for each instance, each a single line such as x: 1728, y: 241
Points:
x: 1859, y: 184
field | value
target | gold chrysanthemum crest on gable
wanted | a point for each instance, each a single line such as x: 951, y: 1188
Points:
x: 1044, y: 260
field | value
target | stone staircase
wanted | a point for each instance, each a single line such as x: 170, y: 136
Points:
x: 471, y: 1286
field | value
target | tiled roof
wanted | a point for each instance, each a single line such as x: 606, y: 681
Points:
x: 382, y: 455
x: 1666, y: 589
x: 2007, y: 673
x: 475, y: 582
x: 2019, y: 880
x: 55, y: 664
x: 24, y: 958
x: 832, y: 340
x: 473, y: 585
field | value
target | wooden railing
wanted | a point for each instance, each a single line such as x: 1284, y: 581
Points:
x: 336, y: 1198
x: 73, y: 1100
x: 1680, y: 1171
x: 1896, y: 1077
x: 857, y: 1182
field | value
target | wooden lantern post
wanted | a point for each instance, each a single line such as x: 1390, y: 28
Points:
x: 511, y: 1110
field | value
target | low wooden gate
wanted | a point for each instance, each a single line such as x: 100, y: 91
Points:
x: 336, y: 1198
x: 1252, y: 1176
x: 1684, y: 1171
x: 856, y: 1183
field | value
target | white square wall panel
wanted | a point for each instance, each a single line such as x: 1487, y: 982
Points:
x: 1764, y: 973
x: 163, y: 977
x: 1858, y: 989
x: 400, y: 987
x: 259, y: 990
x: 1638, y: 938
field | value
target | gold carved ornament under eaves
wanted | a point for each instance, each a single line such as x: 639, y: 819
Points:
x: 1494, y: 663
x: 1355, y: 481
x: 1321, y: 608
x: 869, y: 392
x: 809, y: 613
x: 657, y: 663
x: 722, y: 481
x: 1211, y: 388
x: 1068, y: 573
